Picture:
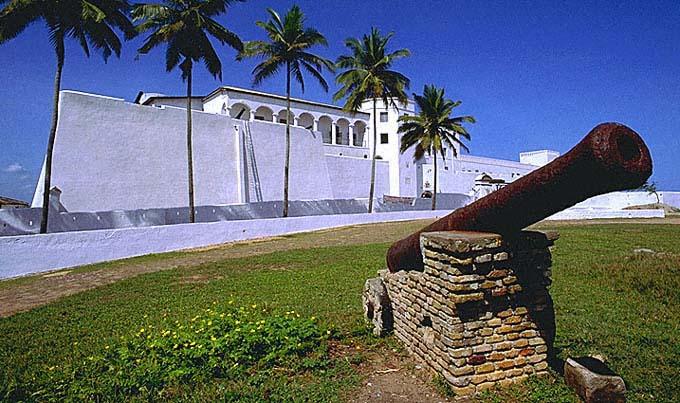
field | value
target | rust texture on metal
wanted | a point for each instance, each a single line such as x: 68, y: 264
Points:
x: 611, y: 157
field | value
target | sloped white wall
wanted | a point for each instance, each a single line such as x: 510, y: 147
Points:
x: 111, y: 155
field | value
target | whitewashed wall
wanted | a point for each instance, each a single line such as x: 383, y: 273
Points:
x: 113, y: 155
x: 21, y: 255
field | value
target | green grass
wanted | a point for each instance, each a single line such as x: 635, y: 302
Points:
x: 607, y: 302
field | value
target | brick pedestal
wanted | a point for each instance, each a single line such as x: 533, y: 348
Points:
x: 480, y: 313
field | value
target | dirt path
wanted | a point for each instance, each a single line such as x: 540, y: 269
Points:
x: 390, y: 376
x: 25, y: 293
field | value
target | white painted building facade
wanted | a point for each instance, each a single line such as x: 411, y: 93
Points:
x: 116, y: 155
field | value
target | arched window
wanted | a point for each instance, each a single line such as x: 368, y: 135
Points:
x: 325, y: 127
x: 240, y: 111
x: 282, y: 117
x: 359, y: 133
x: 306, y: 120
x: 342, y: 133
x: 264, y: 113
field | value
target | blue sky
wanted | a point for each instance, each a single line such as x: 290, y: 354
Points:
x: 535, y: 74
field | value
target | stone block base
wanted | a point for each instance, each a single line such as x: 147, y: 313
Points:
x: 480, y: 313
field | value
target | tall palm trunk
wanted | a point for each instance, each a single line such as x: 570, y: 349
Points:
x: 434, y: 193
x: 190, y: 160
x: 375, y: 146
x: 286, y: 168
x: 59, y: 43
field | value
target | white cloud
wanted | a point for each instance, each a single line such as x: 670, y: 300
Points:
x: 15, y: 167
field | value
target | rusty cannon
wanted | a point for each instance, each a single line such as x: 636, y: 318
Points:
x: 611, y: 157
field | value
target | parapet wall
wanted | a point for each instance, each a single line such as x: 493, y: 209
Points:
x: 479, y: 314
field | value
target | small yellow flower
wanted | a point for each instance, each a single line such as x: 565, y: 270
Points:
x: 254, y: 306
x: 141, y: 330
x: 106, y: 347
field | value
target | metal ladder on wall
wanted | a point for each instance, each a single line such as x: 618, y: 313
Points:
x: 251, y: 164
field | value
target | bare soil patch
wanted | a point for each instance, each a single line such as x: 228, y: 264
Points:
x: 390, y: 376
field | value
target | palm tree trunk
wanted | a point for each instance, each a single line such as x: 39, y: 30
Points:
x: 190, y: 158
x: 375, y: 140
x: 59, y: 43
x: 434, y: 193
x: 286, y: 167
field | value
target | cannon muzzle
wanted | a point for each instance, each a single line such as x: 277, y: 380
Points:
x: 611, y: 157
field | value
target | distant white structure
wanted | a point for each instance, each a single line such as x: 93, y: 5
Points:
x: 115, y: 155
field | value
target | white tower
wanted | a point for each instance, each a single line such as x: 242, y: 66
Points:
x: 388, y: 140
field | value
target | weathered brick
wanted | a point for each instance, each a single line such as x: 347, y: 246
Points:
x: 500, y: 256
x: 496, y: 274
x: 499, y: 292
x: 536, y: 341
x: 461, y: 352
x: 494, y: 339
x: 512, y: 320
x: 476, y: 359
x: 509, y: 280
x: 529, y: 334
x: 526, y: 352
x: 486, y: 285
x: 512, y: 353
x: 520, y: 343
x: 484, y: 368
x: 485, y: 332
x: 463, y: 298
x: 479, y: 378
x: 461, y: 371
x: 496, y: 376
x: 494, y: 322
x: 519, y: 361
x: 536, y: 358
x: 541, y: 366
x: 496, y: 356
x: 482, y: 348
x: 487, y: 257
x: 503, y: 346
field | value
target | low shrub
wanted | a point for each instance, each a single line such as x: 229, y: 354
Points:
x: 229, y: 343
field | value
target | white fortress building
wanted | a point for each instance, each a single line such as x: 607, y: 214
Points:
x: 116, y: 155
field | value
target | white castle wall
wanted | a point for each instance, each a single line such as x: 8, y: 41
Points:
x: 351, y: 176
x: 110, y: 155
x: 308, y: 171
x: 21, y: 255
x: 114, y: 155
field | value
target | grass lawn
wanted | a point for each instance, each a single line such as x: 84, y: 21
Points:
x: 607, y: 302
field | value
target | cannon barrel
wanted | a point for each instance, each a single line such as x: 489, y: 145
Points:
x: 611, y: 157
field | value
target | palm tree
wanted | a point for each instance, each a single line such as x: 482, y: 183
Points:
x: 433, y: 128
x: 288, y: 48
x: 90, y: 22
x: 368, y: 75
x: 185, y: 26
